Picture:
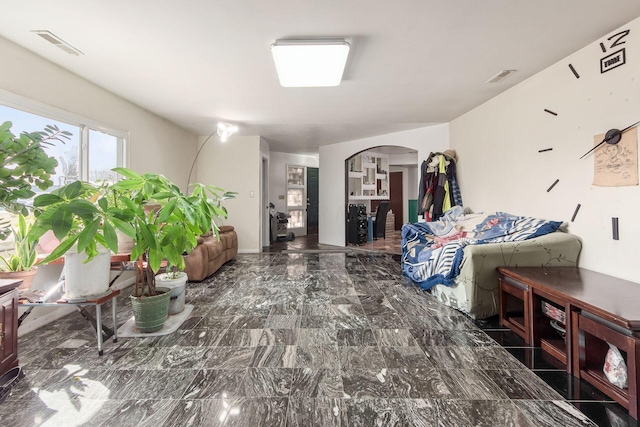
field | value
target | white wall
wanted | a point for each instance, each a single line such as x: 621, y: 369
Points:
x: 498, y: 145
x: 155, y: 144
x: 332, y: 209
x: 235, y: 165
x: 277, y: 174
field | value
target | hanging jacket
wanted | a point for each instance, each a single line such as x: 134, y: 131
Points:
x: 439, y: 189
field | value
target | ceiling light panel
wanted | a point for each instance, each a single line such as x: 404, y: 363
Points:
x: 310, y: 63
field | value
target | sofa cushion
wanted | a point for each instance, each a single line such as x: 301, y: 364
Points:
x: 228, y: 240
x: 226, y: 228
x: 214, y: 248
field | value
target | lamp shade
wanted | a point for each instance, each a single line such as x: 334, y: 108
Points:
x: 310, y: 63
x: 225, y: 130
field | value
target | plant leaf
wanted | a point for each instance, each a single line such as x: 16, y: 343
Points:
x: 61, y: 222
x: 110, y: 237
x: 87, y: 235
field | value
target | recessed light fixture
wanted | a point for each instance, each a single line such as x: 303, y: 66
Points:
x: 310, y: 62
x: 57, y: 41
x: 500, y: 76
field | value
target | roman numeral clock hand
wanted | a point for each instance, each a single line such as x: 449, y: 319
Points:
x: 612, y: 136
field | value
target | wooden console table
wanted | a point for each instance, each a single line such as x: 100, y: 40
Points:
x: 598, y: 310
x: 8, y: 324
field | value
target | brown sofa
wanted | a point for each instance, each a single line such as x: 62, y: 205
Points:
x: 210, y: 253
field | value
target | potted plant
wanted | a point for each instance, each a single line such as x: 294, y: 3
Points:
x: 20, y: 264
x: 84, y: 220
x: 176, y: 281
x: 163, y: 222
x: 24, y: 164
x: 166, y: 224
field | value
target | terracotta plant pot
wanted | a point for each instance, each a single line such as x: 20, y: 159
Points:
x: 26, y: 276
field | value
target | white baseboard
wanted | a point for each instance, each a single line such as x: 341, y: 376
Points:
x: 248, y: 251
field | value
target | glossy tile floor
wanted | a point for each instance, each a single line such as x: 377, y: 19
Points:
x: 292, y: 339
x: 390, y: 244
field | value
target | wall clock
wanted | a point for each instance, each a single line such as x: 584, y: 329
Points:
x: 613, y: 55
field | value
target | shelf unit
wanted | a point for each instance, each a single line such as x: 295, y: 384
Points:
x: 369, y: 176
x: 514, y: 307
x: 594, y: 317
x: 594, y: 337
x: 544, y: 335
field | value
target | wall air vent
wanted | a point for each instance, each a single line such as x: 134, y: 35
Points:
x: 500, y: 76
x: 57, y: 41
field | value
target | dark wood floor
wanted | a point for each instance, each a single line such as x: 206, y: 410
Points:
x: 391, y: 244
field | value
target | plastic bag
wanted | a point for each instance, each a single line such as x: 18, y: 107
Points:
x: 614, y: 367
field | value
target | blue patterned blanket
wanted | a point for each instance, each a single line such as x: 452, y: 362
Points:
x: 432, y: 251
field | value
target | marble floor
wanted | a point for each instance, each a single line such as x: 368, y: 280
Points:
x: 390, y: 244
x: 294, y: 339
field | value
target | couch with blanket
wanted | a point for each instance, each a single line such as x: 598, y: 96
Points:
x: 211, y: 253
x: 456, y: 257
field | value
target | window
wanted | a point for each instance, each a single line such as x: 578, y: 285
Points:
x: 296, y: 196
x: 295, y: 175
x: 88, y: 155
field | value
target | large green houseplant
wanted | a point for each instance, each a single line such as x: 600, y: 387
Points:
x: 24, y: 164
x: 84, y: 219
x: 166, y: 223
x: 163, y: 222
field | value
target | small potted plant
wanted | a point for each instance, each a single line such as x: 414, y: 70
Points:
x: 21, y: 264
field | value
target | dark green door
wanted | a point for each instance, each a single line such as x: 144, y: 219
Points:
x: 312, y: 200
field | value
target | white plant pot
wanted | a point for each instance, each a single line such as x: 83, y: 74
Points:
x: 125, y: 243
x: 178, y: 288
x: 86, y: 279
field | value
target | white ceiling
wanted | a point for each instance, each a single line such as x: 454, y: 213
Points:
x: 412, y: 62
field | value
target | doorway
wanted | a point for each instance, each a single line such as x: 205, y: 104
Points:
x: 312, y: 200
x: 264, y: 200
x: 396, y: 198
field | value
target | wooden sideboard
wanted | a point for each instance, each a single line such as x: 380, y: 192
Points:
x: 8, y: 324
x: 597, y: 310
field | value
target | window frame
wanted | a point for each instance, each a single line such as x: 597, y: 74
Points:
x: 84, y: 124
x: 303, y: 208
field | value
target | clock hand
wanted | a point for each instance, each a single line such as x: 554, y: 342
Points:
x: 629, y: 127
x: 613, y: 133
x: 602, y: 142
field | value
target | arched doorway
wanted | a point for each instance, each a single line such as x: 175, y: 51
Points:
x: 384, y: 175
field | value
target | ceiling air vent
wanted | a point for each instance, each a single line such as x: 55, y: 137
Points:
x: 500, y: 76
x: 57, y: 41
